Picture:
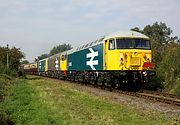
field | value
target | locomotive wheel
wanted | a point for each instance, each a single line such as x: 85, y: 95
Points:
x: 100, y: 81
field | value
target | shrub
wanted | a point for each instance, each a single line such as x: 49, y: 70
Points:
x: 5, y: 81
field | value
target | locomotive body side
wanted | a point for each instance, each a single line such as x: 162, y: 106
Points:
x: 87, y: 59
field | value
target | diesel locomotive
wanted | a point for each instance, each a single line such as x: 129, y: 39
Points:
x: 114, y: 60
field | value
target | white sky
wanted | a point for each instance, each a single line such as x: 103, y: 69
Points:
x: 36, y: 26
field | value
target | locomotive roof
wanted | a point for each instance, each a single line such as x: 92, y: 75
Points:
x: 43, y: 59
x: 120, y: 34
x: 131, y: 34
x: 87, y: 45
x: 56, y: 55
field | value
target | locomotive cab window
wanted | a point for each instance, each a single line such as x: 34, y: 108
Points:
x: 63, y: 57
x: 142, y: 44
x: 133, y: 43
x: 111, y: 44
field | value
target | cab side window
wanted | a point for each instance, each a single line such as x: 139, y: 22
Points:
x: 63, y: 57
x: 111, y: 44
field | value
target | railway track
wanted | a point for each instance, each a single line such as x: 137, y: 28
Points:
x: 168, y: 100
x: 154, y: 96
x: 161, y: 94
x: 147, y: 94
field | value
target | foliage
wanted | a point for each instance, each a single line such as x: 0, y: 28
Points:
x: 55, y: 50
x: 24, y: 62
x: 169, y: 67
x: 5, y: 82
x: 166, y: 54
x: 60, y: 48
x: 14, y: 55
x: 43, y: 56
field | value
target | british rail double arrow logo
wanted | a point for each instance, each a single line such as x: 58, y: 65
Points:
x: 92, y: 55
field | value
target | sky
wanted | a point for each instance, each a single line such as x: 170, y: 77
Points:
x: 36, y: 26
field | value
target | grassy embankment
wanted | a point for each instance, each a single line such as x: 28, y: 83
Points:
x: 5, y: 83
x: 38, y: 101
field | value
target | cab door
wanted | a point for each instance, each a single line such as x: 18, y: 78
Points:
x: 63, y: 62
x: 110, y: 55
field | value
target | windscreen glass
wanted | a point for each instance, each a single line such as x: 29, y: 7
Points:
x: 129, y: 43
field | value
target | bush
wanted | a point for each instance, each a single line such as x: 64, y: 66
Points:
x: 5, y: 81
x: 5, y: 119
x: 156, y: 83
x: 2, y: 68
x: 176, y: 88
x: 169, y: 68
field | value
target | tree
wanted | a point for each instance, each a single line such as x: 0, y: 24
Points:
x: 14, y: 57
x: 169, y: 67
x: 43, y: 56
x: 60, y: 48
x: 137, y: 29
x: 56, y: 49
x: 24, y: 62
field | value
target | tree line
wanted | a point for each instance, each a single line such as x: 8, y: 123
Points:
x: 55, y: 50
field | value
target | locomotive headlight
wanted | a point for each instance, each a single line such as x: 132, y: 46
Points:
x: 148, y: 59
x: 121, y: 59
x: 144, y: 73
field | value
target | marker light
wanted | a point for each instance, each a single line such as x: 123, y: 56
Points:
x: 144, y: 55
x: 121, y: 55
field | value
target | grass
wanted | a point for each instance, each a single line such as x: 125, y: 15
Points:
x: 38, y: 101
x: 5, y: 83
x: 176, y: 88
